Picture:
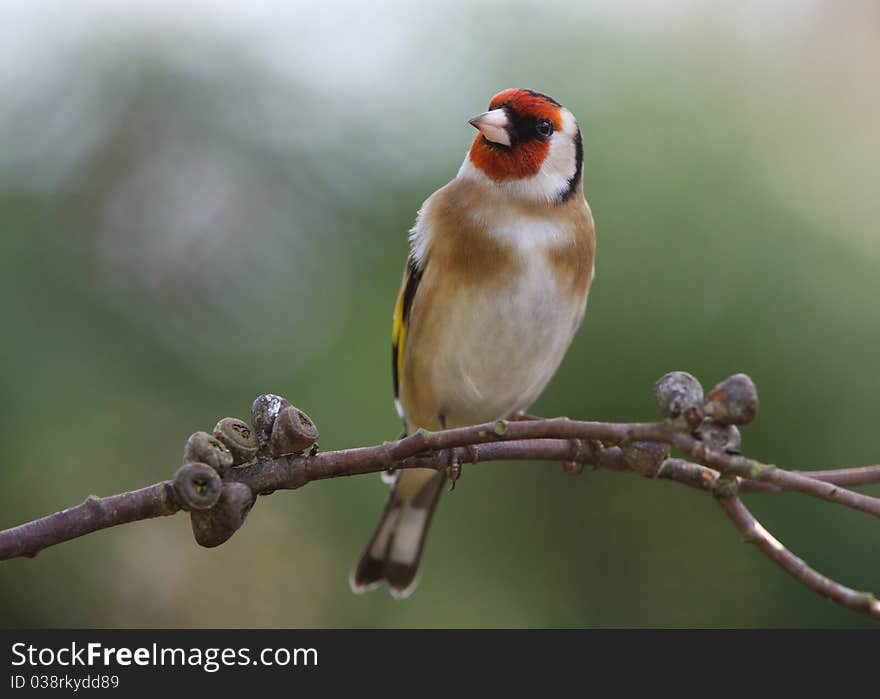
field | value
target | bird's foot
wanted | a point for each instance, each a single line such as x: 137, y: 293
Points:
x: 453, y: 468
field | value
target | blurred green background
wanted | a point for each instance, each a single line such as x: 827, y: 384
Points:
x: 200, y: 205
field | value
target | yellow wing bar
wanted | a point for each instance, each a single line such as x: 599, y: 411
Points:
x: 412, y: 275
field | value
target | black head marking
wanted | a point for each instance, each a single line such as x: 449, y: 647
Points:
x: 533, y: 93
x: 578, y: 167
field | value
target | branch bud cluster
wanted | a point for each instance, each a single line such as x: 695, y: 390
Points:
x: 713, y: 419
x: 218, y: 507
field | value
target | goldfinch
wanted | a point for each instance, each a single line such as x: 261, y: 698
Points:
x: 500, y: 264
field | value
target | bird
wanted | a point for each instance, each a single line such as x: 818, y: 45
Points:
x: 495, y: 286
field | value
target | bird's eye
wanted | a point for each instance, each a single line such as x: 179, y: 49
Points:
x: 544, y: 128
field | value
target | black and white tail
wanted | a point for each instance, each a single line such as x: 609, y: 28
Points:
x: 395, y: 550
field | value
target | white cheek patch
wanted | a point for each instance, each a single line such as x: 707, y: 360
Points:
x: 561, y: 161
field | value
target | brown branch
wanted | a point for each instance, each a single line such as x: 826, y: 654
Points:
x: 754, y: 532
x: 91, y: 515
x: 224, y: 472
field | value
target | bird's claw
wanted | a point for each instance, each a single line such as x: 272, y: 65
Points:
x: 453, y: 469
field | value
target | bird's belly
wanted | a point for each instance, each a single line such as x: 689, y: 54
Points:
x: 502, y: 347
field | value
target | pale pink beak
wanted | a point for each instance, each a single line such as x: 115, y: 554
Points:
x: 493, y: 125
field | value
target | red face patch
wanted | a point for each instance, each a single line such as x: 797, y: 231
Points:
x: 525, y: 157
x: 500, y: 163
